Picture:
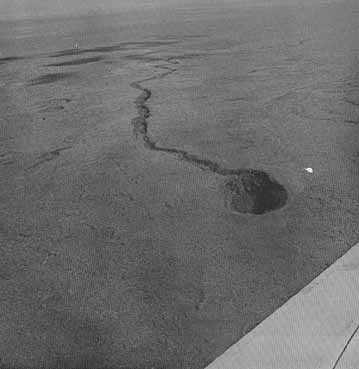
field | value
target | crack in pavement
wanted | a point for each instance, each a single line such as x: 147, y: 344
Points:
x: 248, y: 190
x: 48, y: 156
x: 140, y: 126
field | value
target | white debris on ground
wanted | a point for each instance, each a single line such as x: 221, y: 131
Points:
x: 309, y: 170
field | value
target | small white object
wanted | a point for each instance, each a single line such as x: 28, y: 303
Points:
x: 309, y: 170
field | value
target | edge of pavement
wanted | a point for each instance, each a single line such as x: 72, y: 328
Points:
x: 315, y: 329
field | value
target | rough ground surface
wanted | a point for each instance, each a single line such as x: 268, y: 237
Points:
x: 119, y: 244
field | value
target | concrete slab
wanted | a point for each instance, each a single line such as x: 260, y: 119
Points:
x: 315, y: 329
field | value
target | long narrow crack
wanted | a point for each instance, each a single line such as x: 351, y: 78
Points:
x: 248, y: 190
x: 140, y: 127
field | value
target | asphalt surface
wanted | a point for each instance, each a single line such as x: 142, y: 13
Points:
x: 155, y: 202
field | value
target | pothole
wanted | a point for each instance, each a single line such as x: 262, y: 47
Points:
x: 255, y: 192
